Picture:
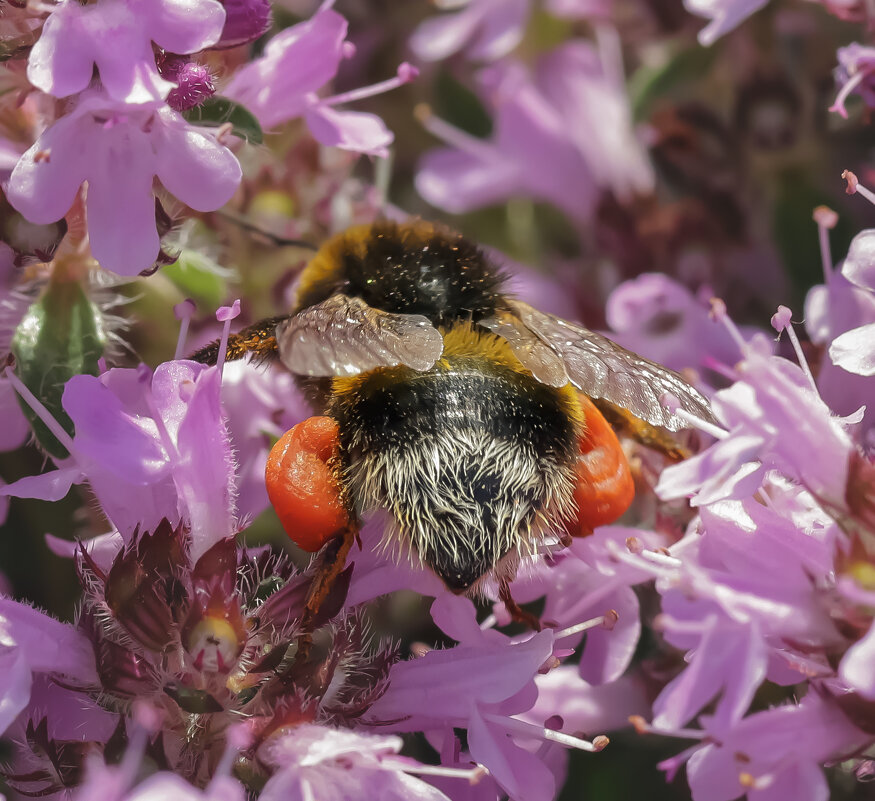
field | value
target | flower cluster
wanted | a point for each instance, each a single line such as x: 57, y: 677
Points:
x: 135, y: 79
x: 771, y: 585
x: 189, y: 651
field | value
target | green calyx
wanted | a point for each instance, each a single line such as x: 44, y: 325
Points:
x: 60, y: 336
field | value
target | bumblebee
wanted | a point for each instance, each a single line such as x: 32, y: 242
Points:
x: 465, y: 413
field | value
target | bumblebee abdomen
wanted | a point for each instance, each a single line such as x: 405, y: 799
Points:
x: 473, y: 459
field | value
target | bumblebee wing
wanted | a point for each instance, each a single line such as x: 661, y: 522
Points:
x: 537, y: 357
x: 602, y: 369
x: 343, y: 336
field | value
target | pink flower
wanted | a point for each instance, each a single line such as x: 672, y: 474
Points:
x: 775, y: 755
x: 116, y: 36
x: 724, y: 15
x: 854, y: 73
x: 32, y: 643
x: 530, y: 153
x: 660, y: 318
x: 151, y: 447
x: 318, y: 762
x: 298, y: 61
x: 119, y: 149
x: 485, y: 29
x: 482, y: 685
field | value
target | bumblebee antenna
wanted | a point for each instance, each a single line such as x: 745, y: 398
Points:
x: 281, y: 241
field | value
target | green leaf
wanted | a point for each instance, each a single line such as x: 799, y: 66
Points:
x: 218, y: 110
x: 60, y: 336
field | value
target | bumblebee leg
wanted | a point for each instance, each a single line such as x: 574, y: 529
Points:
x: 332, y: 558
x: 517, y: 613
x: 650, y: 436
x: 258, y: 339
x: 305, y: 487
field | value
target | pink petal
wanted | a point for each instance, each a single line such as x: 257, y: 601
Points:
x: 441, y: 36
x: 51, y: 486
x: 102, y: 548
x: 106, y: 435
x: 297, y: 61
x: 48, y: 645
x: 803, y: 781
x: 121, y: 206
x: 501, y: 30
x: 61, y: 62
x: 713, y: 775
x: 859, y: 265
x: 127, y: 65
x: 44, y: 189
x: 15, y: 428
x: 607, y: 654
x: 193, y: 166
x: 854, y: 350
x: 442, y: 685
x: 349, y: 130
x: 183, y: 26
x: 520, y: 773
x: 205, y: 474
x: 458, y: 182
x: 17, y: 677
x: 856, y: 665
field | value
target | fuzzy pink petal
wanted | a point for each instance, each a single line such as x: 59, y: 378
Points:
x: 349, y: 130
x: 193, y: 166
x: 17, y: 678
x: 205, y: 473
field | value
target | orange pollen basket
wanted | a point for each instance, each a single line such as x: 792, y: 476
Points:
x: 605, y: 487
x: 302, y: 485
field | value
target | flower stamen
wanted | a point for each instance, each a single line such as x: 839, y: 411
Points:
x: 183, y: 312
x: 526, y: 729
x: 40, y: 410
x: 224, y: 314
x: 405, y: 74
x: 826, y: 220
x: 781, y: 322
